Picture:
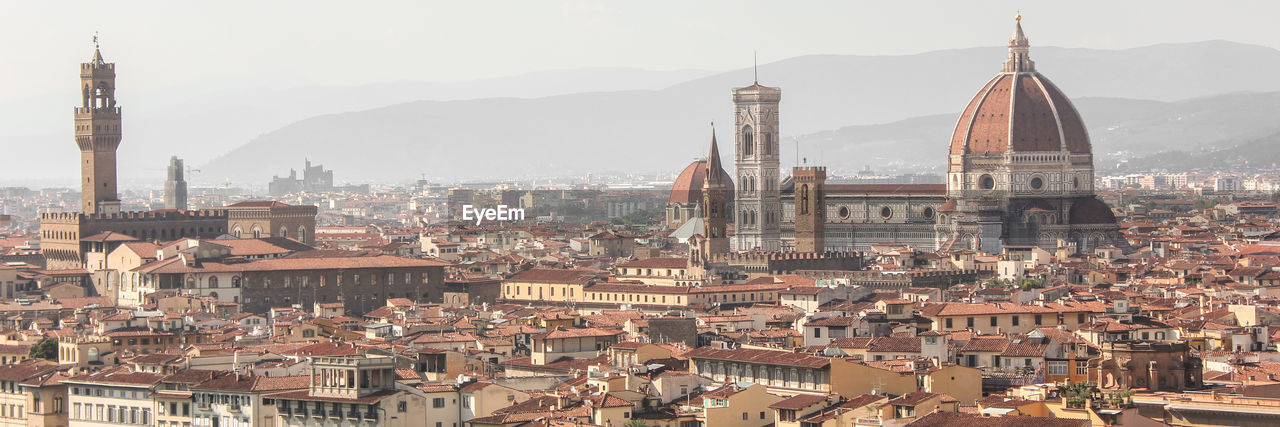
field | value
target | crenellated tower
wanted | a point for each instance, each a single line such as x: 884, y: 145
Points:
x: 811, y: 207
x: 97, y: 131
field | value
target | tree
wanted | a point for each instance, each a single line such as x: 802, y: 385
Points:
x: 635, y: 422
x: 47, y: 349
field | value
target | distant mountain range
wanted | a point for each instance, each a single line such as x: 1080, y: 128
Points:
x: 916, y: 96
x: 1119, y: 129
x: 845, y: 111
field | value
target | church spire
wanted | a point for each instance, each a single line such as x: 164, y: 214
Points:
x: 714, y: 167
x: 1019, y: 51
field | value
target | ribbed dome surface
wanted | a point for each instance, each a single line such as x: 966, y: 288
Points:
x: 688, y: 185
x: 1018, y: 112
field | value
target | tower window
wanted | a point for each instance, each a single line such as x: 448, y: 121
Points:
x: 748, y: 140
x: 886, y: 213
x: 844, y: 212
x: 1037, y: 183
x: 928, y: 213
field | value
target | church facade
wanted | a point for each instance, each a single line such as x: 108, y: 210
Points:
x: 1020, y: 172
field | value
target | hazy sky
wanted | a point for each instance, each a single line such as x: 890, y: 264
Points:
x: 210, y: 46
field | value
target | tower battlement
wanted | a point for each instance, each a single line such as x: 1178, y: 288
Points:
x: 90, y: 68
x: 75, y: 217
x: 809, y: 172
x: 756, y: 256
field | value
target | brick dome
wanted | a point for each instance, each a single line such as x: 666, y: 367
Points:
x: 1019, y: 110
x: 688, y: 185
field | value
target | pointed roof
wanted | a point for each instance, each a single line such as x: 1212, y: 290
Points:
x: 714, y: 167
x: 1019, y: 51
x: 1018, y: 36
x: 97, y: 53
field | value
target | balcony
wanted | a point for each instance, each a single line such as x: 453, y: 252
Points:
x: 370, y: 416
x: 233, y: 409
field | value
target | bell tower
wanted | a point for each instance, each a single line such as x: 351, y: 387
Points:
x: 811, y: 208
x: 715, y: 202
x: 758, y: 223
x: 97, y: 123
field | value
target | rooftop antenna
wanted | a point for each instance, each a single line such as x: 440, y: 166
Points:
x: 755, y: 66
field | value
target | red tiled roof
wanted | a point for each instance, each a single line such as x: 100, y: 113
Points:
x: 540, y: 275
x: 656, y: 263
x: 759, y: 356
x: 799, y: 401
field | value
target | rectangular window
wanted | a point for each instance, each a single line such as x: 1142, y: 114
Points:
x: 1082, y: 370
x: 949, y: 326
x: 1039, y: 319
x: 75, y: 411
x: 1080, y: 318
x: 817, y: 332
x: 994, y: 321
x: 1015, y: 320
x: 437, y: 402
x: 1057, y: 367
x: 969, y: 322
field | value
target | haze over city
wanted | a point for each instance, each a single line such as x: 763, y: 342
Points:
x: 202, y: 81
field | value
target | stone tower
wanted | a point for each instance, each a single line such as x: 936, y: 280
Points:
x: 759, y: 210
x: 98, y: 135
x: 810, y: 207
x: 175, y: 187
x: 715, y: 203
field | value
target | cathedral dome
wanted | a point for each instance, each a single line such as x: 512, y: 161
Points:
x: 1019, y: 111
x: 688, y: 185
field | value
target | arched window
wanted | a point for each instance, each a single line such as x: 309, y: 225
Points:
x: 235, y: 282
x: 191, y: 282
x: 768, y: 143
x: 213, y: 282
x: 257, y: 232
x: 302, y: 234
x: 236, y: 232
x: 284, y: 232
x: 748, y: 140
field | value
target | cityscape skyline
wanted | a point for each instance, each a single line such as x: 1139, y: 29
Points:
x: 1034, y: 233
x: 158, y: 91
